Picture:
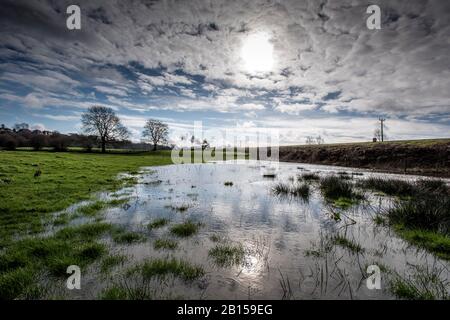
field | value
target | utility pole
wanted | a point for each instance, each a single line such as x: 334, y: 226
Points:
x: 382, y: 120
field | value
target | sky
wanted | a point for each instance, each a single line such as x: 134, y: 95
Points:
x: 302, y: 68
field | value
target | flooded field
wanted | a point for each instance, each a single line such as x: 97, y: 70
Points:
x: 224, y: 232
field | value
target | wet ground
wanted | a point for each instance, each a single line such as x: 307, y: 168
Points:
x: 289, y: 243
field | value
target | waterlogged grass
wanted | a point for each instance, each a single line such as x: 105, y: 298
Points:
x: 424, y: 284
x: 392, y: 187
x: 347, y: 244
x: 227, y: 254
x: 309, y: 177
x: 122, y: 236
x: 334, y: 187
x: 167, y: 244
x: 124, y: 291
x: 158, y: 223
x: 433, y: 242
x: 69, y: 246
x: 185, y: 229
x: 112, y: 261
x: 301, y: 190
x: 161, y: 268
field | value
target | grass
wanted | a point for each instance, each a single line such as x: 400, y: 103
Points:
x: 433, y: 242
x: 339, y: 191
x: 67, y: 178
x: 296, y: 190
x: 123, y: 291
x: 111, y: 261
x: 161, y: 268
x: 165, y: 244
x: 348, y: 244
x: 309, y: 177
x: 27, y: 204
x: 122, y: 236
x: 424, y: 284
x: 392, y: 187
x: 69, y: 246
x: 158, y: 223
x: 93, y: 208
x: 185, y: 229
x: 227, y: 255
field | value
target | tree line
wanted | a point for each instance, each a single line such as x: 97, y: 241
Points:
x: 101, y: 127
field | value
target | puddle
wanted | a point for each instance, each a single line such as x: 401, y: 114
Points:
x: 286, y: 241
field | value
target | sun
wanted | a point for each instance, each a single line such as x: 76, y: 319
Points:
x: 257, y: 53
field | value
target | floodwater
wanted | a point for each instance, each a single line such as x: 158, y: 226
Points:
x: 287, y: 241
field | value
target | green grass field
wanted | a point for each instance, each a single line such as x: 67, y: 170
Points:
x: 65, y: 179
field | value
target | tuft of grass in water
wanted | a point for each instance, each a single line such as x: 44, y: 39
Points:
x: 309, y: 177
x: 61, y: 219
x: 215, y: 238
x: 392, y: 187
x: 83, y: 232
x: 432, y: 241
x: 424, y: 284
x: 111, y: 261
x: 298, y: 190
x: 179, y: 208
x: 185, y: 229
x: 165, y: 244
x: 161, y: 268
x: 157, y: 223
x: 123, y: 291
x: 348, y: 244
x: 92, y: 208
x: 118, y: 202
x: 333, y: 188
x: 121, y: 236
x: 281, y: 188
x: 15, y: 282
x: 227, y: 255
x: 344, y: 203
x: 228, y: 183
x: 379, y: 220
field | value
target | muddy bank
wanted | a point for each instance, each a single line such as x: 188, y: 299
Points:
x: 425, y: 157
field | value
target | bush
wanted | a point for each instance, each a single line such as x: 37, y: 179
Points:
x: 38, y: 142
x: 8, y: 142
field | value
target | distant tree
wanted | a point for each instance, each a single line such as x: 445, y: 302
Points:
x: 21, y: 126
x: 38, y: 141
x: 205, y: 144
x: 156, y: 131
x: 59, y: 142
x: 320, y: 140
x: 104, y: 124
x: 309, y: 140
x: 8, y: 142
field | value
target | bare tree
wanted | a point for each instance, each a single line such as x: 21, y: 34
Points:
x: 104, y: 124
x: 205, y: 144
x: 320, y: 140
x: 309, y: 140
x: 156, y: 131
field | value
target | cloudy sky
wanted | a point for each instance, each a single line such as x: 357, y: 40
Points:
x: 302, y: 67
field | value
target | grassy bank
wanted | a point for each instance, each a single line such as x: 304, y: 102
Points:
x: 428, y: 157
